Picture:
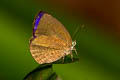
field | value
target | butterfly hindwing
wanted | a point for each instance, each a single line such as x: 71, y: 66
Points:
x: 45, y: 55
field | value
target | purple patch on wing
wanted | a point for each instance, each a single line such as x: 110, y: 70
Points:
x: 37, y: 20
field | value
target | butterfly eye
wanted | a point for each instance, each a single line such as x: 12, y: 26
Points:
x: 74, y: 43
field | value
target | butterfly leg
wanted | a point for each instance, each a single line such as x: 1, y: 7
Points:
x: 75, y: 51
x: 63, y: 58
x: 71, y: 56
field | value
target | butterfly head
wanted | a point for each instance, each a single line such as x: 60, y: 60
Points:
x: 73, y: 45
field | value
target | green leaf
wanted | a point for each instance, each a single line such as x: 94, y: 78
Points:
x: 43, y: 72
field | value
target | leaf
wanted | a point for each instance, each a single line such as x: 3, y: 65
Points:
x: 43, y: 72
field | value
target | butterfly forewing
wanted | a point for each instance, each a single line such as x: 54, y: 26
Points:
x: 50, y: 42
x: 50, y: 26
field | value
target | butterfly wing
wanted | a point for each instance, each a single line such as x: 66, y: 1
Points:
x: 50, y: 42
x: 45, y: 55
x: 45, y: 24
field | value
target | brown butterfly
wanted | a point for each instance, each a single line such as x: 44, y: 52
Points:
x: 50, y: 41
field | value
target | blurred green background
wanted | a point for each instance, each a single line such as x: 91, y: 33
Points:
x: 97, y: 44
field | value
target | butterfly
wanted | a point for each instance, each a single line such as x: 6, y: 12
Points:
x: 50, y: 40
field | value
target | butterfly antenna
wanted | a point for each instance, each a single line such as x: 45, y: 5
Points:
x: 74, y: 36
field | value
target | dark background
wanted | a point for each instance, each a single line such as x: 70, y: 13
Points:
x: 98, y: 43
